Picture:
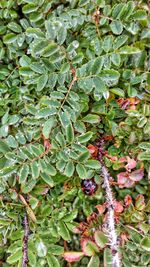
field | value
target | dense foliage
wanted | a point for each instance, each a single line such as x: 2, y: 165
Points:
x: 72, y: 72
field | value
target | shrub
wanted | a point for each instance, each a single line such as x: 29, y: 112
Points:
x: 74, y: 87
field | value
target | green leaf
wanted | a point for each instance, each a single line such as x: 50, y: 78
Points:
x: 24, y: 171
x: 9, y: 38
x: 107, y: 257
x: 47, y: 179
x: 42, y: 81
x: 29, y: 8
x: 94, y: 261
x: 107, y: 43
x: 69, y: 169
x: 83, y: 2
x: 27, y: 187
x: 50, y: 50
x: 110, y: 77
x: 144, y: 145
x: 100, y: 239
x: 63, y: 231
x: 50, y: 169
x: 45, y: 112
x: 26, y: 71
x: 69, y: 133
x: 4, y: 148
x: 116, y: 59
x: 91, y: 118
x: 144, y: 156
x: 116, y: 27
x: 84, y: 156
x: 15, y: 256
x: 8, y: 170
x: 145, y: 243
x: 41, y: 248
x: 129, y: 50
x: 64, y: 118
x: 85, y: 137
x: 119, y: 41
x: 92, y: 163
x: 86, y: 84
x: 52, y: 261
x: 139, y: 15
x: 118, y: 91
x: 89, y: 248
x: 56, y: 249
x: 48, y: 125
x: 62, y: 34
x: 81, y: 171
x: 14, y: 27
x: 35, y: 169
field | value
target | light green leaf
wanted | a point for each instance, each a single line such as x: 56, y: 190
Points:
x: 52, y: 261
x: 48, y: 125
x: 42, y: 81
x: 100, y: 239
x: 9, y: 38
x: 94, y: 261
x: 85, y: 137
x: 24, y: 171
x: 63, y: 231
x: 92, y: 163
x: 15, y: 257
x: 116, y: 27
x: 47, y: 179
x: 35, y: 170
x: 129, y: 50
x: 145, y: 243
x: 81, y: 171
x: 144, y: 156
x: 69, y: 169
x: 64, y: 118
x: 91, y: 118
x: 118, y: 91
x: 69, y: 133
x: 41, y: 248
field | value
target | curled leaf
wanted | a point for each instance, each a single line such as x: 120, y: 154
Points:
x: 136, y: 175
x: 73, y: 256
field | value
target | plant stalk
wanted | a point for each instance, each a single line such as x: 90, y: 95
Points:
x: 112, y: 235
x: 25, y: 241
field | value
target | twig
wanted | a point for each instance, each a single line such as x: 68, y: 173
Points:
x: 25, y: 242
x: 11, y: 73
x: 112, y: 235
x: 71, y: 84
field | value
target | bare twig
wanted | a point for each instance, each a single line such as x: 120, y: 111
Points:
x: 71, y: 84
x: 111, y: 231
x: 25, y: 242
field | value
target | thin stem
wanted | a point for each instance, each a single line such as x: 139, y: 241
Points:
x: 69, y: 89
x: 111, y: 231
x: 11, y: 73
x: 25, y: 242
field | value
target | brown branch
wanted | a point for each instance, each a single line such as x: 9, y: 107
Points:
x: 25, y: 241
x: 110, y: 228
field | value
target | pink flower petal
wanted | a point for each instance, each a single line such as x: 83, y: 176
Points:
x: 136, y: 175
